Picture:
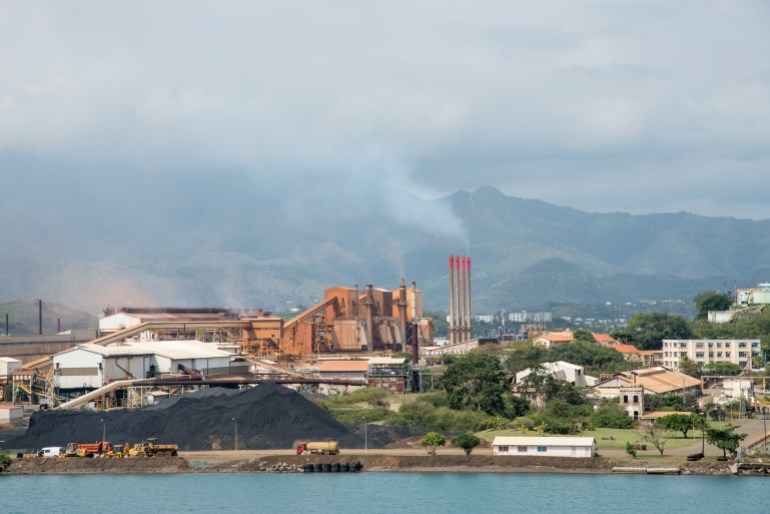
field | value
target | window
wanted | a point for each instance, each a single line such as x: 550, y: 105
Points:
x: 698, y: 355
x: 742, y: 354
x: 625, y: 398
x: 741, y: 345
x: 636, y: 399
x: 727, y: 354
x: 719, y: 354
x: 502, y: 449
x: 719, y: 345
x: 542, y: 449
x: 698, y: 345
x: 522, y: 449
x: 755, y: 345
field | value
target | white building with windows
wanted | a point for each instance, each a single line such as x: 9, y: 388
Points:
x: 545, y: 446
x: 706, y: 351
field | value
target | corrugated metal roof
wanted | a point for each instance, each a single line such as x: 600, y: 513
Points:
x: 175, y: 350
x: 543, y: 441
x: 386, y: 361
x: 349, y: 365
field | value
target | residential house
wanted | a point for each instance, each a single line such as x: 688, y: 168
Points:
x: 629, y: 351
x: 560, y: 370
x: 550, y: 339
x: 605, y: 339
x: 631, y: 398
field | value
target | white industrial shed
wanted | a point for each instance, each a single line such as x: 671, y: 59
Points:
x: 545, y: 446
x: 7, y: 366
x: 89, y: 366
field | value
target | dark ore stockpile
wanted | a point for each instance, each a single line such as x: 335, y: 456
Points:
x: 268, y: 417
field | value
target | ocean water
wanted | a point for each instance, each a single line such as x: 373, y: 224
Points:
x: 391, y: 493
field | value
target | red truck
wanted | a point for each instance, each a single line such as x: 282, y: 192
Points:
x: 87, y: 449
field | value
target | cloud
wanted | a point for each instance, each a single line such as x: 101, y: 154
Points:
x: 635, y: 106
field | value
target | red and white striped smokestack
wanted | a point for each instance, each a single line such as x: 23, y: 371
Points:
x: 469, y: 324
x: 458, y: 301
x: 464, y: 286
x: 451, y: 299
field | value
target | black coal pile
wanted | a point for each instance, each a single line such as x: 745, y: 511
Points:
x: 268, y: 417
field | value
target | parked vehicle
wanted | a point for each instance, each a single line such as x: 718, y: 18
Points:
x: 87, y: 450
x: 50, y: 451
x: 319, y: 448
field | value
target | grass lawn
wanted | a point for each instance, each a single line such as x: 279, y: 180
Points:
x: 615, y: 438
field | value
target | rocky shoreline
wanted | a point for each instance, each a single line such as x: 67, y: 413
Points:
x: 214, y: 463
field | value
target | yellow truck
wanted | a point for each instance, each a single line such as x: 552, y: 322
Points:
x: 149, y: 448
x: 319, y: 448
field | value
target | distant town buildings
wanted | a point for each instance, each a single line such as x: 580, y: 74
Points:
x: 530, y: 317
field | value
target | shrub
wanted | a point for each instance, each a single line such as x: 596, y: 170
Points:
x: 467, y: 442
x: 431, y: 441
x: 5, y: 461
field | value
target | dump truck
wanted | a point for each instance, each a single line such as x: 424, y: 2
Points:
x: 149, y: 448
x: 97, y: 449
x: 319, y: 448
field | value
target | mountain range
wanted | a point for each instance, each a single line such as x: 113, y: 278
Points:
x: 238, y: 245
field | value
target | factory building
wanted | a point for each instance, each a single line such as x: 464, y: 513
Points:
x: 351, y: 320
x: 90, y: 366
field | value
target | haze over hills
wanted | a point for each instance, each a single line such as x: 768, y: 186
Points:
x: 232, y: 243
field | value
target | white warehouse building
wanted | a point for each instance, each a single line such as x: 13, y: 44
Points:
x: 545, y: 446
x: 90, y: 366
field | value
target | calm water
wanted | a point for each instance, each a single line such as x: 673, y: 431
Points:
x: 391, y: 493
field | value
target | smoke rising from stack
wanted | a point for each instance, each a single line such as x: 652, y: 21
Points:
x: 460, y: 323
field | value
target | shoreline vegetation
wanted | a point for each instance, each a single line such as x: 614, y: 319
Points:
x: 256, y: 462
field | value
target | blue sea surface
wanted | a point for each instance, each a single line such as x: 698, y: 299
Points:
x: 391, y: 493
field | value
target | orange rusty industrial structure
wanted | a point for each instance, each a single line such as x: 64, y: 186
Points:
x: 348, y: 320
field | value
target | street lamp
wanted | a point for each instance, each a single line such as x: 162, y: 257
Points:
x: 236, y: 433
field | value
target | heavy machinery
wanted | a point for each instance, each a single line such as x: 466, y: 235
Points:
x: 149, y: 448
x: 319, y: 448
x: 88, y: 450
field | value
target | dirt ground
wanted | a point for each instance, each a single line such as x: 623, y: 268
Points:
x: 403, y: 460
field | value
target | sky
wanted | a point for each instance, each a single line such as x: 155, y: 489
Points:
x: 632, y: 106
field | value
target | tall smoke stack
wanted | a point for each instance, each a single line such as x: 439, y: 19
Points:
x: 7, y: 328
x: 458, y: 301
x: 369, y: 314
x: 40, y: 317
x: 468, y: 317
x: 451, y: 300
x: 402, y: 311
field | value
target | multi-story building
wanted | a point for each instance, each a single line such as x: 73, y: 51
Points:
x: 706, y: 351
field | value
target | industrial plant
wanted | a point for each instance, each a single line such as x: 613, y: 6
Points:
x: 141, y: 354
